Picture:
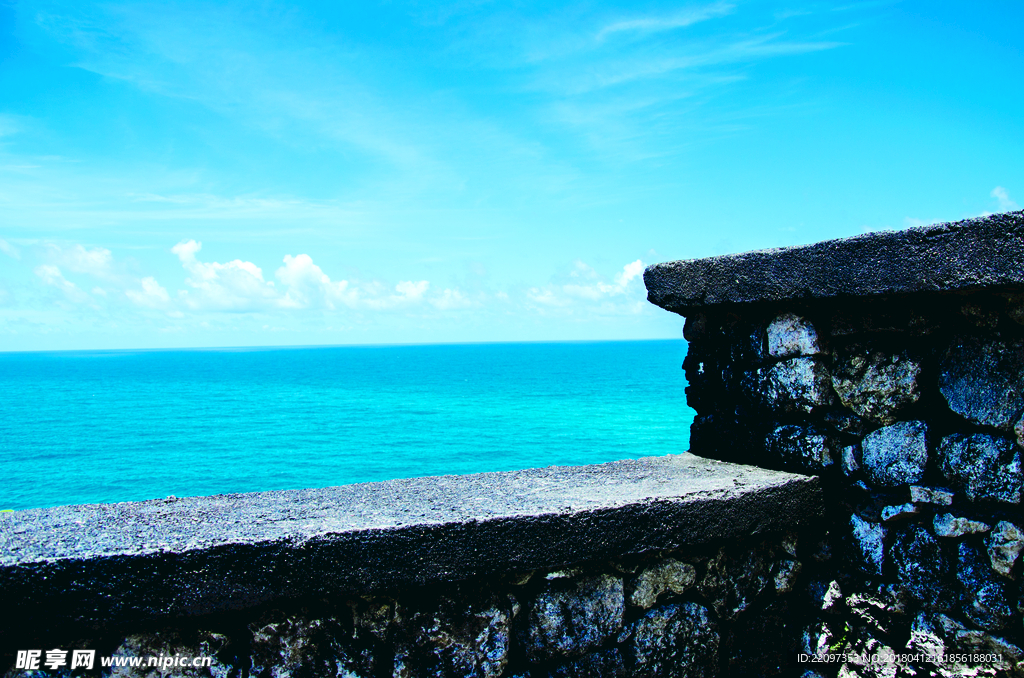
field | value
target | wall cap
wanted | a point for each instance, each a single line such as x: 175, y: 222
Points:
x: 985, y: 252
x: 98, y: 565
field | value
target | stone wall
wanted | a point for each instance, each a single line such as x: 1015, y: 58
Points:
x: 907, y: 399
x: 718, y: 610
x: 658, y: 567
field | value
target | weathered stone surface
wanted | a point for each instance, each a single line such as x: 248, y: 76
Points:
x: 875, y: 385
x: 921, y: 567
x: 896, y: 455
x: 984, y: 599
x: 897, y: 512
x: 795, y: 385
x: 454, y: 637
x: 668, y: 575
x: 948, y: 525
x: 801, y: 449
x: 868, y: 544
x: 930, y: 495
x: 1004, y: 546
x: 790, y: 335
x: 985, y: 467
x: 608, y: 663
x: 732, y: 582
x: 677, y: 641
x: 285, y: 645
x: 965, y: 255
x: 573, y: 616
x: 983, y: 380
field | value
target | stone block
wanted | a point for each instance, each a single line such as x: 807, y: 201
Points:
x: 984, y: 467
x: 984, y: 598
x: 670, y: 575
x: 868, y: 544
x: 732, y: 582
x: 454, y: 637
x: 978, y: 642
x: 164, y: 643
x: 786, y: 572
x: 930, y: 495
x: 817, y: 639
x: 897, y: 512
x: 948, y: 525
x: 925, y: 638
x: 848, y: 460
x: 790, y: 335
x: 571, y: 617
x: 874, y: 384
x: 801, y: 448
x: 285, y: 644
x: 1004, y: 546
x: 696, y: 327
x: 679, y: 641
x: 870, y: 658
x: 983, y: 380
x: 921, y: 568
x: 794, y: 385
x: 895, y: 455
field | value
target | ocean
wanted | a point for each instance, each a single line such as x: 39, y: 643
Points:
x: 109, y: 426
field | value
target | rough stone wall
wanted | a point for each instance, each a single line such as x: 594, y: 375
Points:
x: 721, y: 610
x: 910, y: 408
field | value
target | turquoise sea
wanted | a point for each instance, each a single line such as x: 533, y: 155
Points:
x: 108, y: 426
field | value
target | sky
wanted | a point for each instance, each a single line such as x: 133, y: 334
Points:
x: 180, y: 174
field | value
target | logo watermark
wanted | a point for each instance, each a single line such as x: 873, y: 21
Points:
x: 33, y: 660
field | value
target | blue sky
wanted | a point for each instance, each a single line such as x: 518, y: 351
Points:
x: 204, y: 174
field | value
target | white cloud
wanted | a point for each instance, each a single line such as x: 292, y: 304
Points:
x: 151, y: 294
x: 9, y: 249
x: 233, y: 286
x: 599, y: 289
x: 450, y: 300
x: 406, y: 293
x: 591, y: 288
x: 629, y: 273
x: 96, y: 261
x: 1003, y: 198
x: 52, y: 276
x: 309, y: 286
x: 239, y: 286
x: 412, y: 290
x: 665, y: 23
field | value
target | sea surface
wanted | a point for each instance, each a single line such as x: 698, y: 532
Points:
x: 110, y: 426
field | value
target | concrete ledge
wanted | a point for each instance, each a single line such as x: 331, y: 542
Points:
x: 965, y: 255
x: 103, y: 565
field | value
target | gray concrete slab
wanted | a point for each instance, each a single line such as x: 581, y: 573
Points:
x: 965, y: 255
x: 100, y: 564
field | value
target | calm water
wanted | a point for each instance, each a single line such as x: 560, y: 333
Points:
x: 106, y: 426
